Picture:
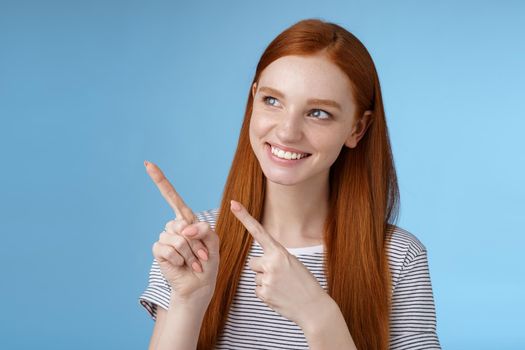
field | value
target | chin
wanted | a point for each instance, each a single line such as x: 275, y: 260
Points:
x: 281, y: 179
x: 282, y: 182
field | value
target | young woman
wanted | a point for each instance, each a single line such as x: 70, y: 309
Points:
x: 310, y: 256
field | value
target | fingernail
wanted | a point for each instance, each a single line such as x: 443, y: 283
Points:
x: 235, y: 206
x: 192, y: 231
x: 146, y: 163
x: 196, y: 267
x: 202, y: 254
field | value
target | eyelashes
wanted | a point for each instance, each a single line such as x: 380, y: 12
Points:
x: 265, y: 99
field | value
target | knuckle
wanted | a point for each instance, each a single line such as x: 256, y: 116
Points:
x: 170, y: 254
x: 179, y: 225
x: 179, y: 242
x: 179, y: 261
x: 169, y: 226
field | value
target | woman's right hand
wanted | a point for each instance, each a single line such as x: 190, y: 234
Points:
x: 176, y: 251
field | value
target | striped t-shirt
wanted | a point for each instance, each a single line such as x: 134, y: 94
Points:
x: 251, y: 324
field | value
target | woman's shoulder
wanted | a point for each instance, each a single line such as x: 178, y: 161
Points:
x: 403, y: 249
x: 400, y: 242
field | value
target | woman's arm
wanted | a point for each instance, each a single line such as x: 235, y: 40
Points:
x: 177, y: 328
x: 159, y: 325
x: 328, y: 329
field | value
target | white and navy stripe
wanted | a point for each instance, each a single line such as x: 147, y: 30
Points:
x: 251, y: 324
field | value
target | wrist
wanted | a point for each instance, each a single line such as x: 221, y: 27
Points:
x: 198, y: 306
x: 186, y: 319
x: 320, y: 315
x: 328, y: 329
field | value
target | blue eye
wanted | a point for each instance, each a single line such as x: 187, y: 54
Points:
x: 265, y: 99
x: 320, y: 110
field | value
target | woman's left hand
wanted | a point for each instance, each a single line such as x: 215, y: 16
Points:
x: 283, y: 282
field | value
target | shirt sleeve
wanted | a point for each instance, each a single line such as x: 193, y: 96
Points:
x: 157, y: 292
x: 413, y: 314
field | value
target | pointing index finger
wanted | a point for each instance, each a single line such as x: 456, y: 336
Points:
x: 265, y: 240
x: 169, y: 193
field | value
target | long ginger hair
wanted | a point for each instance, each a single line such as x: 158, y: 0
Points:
x: 363, y: 199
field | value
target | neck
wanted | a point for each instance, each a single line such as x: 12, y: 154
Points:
x: 295, y: 214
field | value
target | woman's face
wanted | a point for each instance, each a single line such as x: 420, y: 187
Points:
x: 288, y: 113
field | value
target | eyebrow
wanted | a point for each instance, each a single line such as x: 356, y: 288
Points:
x: 317, y: 101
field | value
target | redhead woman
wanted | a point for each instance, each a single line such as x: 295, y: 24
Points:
x: 303, y: 251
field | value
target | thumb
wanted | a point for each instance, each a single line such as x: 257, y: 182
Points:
x: 202, y: 231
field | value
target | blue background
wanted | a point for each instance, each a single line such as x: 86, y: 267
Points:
x: 89, y: 90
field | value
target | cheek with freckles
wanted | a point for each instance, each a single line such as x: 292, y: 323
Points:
x: 259, y: 128
x: 260, y: 131
x: 261, y: 123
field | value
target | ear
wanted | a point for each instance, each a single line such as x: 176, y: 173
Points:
x: 254, y: 88
x: 359, y: 129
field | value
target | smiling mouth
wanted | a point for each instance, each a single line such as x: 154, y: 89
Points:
x: 286, y: 155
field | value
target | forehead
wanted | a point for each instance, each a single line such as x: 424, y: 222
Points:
x: 308, y: 77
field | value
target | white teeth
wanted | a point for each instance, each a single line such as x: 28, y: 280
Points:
x: 287, y: 155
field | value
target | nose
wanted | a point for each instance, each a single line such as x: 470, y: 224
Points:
x: 290, y: 128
